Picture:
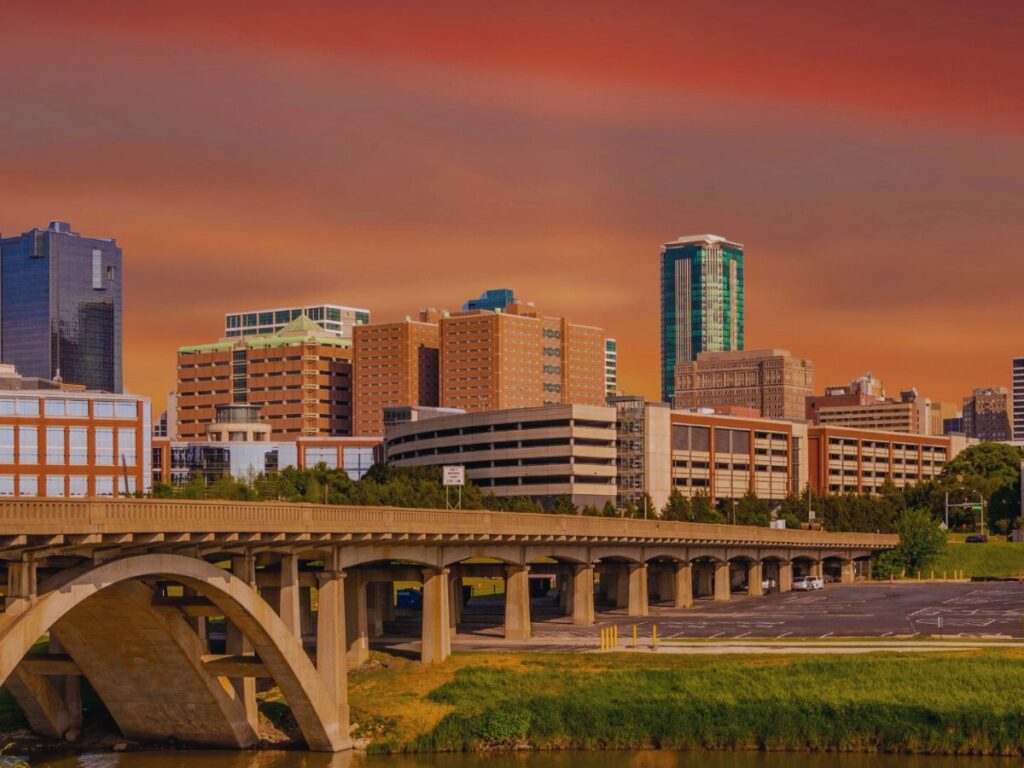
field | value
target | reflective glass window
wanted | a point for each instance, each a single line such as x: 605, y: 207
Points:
x: 126, y: 446
x: 55, y: 445
x: 104, y: 486
x: 104, y: 446
x: 6, y: 485
x: 78, y: 446
x: 126, y: 409
x: 55, y: 485
x: 28, y: 485
x: 103, y: 409
x: 78, y: 408
x: 6, y: 445
x: 28, y: 445
x: 26, y: 406
x: 6, y: 406
x: 54, y: 407
x: 78, y: 485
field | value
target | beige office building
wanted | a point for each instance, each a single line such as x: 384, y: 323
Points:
x: 771, y: 381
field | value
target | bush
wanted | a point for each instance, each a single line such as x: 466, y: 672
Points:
x: 503, y: 725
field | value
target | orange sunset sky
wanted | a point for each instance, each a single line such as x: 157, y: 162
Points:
x: 394, y: 155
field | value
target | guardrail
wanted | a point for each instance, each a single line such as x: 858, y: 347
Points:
x: 56, y: 516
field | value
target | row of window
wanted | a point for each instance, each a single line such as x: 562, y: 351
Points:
x: 58, y: 407
x: 60, y: 486
x: 74, y: 450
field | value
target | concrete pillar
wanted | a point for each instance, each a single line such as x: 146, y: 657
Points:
x: 375, y: 609
x: 198, y: 623
x: 454, y: 602
x: 356, y: 623
x: 437, y: 630
x: 389, y: 601
x: 583, y: 595
x: 785, y: 576
x: 723, y: 589
x: 288, y: 599
x: 331, y: 638
x: 667, y: 581
x: 754, y: 578
x: 236, y: 644
x: 848, y: 573
x: 606, y: 586
x: 21, y: 587
x: 622, y: 586
x: 683, y: 589
x: 817, y: 569
x: 517, y: 602
x: 637, y: 604
x: 306, y: 610
x: 70, y: 687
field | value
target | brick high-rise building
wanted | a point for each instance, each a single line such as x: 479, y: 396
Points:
x: 987, y: 414
x: 396, y: 364
x: 300, y: 377
x: 771, y: 381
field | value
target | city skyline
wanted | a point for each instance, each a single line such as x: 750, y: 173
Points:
x: 862, y: 196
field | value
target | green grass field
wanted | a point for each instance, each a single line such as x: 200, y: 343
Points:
x: 966, y: 703
x: 994, y: 559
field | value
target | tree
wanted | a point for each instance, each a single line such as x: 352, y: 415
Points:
x: 647, y: 509
x: 751, y: 510
x: 921, y: 542
x: 702, y: 510
x: 677, y: 507
x: 609, y: 510
x: 590, y: 511
x: 563, y: 505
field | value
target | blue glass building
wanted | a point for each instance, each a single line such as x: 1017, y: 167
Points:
x: 60, y: 306
x: 495, y: 298
x: 701, y: 301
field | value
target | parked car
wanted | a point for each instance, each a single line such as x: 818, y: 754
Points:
x: 977, y: 538
x: 803, y: 584
x: 410, y: 599
x: 767, y: 585
x: 818, y: 583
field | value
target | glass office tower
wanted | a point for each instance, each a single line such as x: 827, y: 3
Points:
x: 60, y: 306
x: 1018, y: 398
x: 701, y: 301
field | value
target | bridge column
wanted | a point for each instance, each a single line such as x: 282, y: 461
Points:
x: 331, y: 641
x: 683, y: 589
x: 288, y: 595
x: 375, y: 609
x: 356, y: 629
x: 437, y: 631
x: 637, y: 581
x: 723, y: 590
x: 667, y: 584
x: 583, y: 595
x: 785, y: 576
x: 389, y: 601
x: 21, y: 586
x: 606, y: 585
x: 198, y: 623
x: 848, y: 572
x: 755, y: 573
x: 817, y: 569
x: 622, y: 586
x: 454, y: 602
x: 517, y: 602
x: 306, y: 610
x: 236, y: 643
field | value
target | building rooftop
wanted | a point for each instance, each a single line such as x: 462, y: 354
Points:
x: 708, y: 238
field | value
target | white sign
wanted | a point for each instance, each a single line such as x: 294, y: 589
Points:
x: 453, y: 475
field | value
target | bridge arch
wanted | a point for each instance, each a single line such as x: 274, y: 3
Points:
x: 314, y: 708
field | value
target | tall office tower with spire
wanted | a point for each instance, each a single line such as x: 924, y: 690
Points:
x: 701, y: 301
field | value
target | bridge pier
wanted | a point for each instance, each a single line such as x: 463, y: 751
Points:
x: 356, y: 628
x: 817, y: 569
x: 722, y: 585
x: 517, y: 602
x: 785, y: 576
x: 331, y: 641
x: 636, y: 580
x: 848, y: 573
x: 622, y: 586
x: 683, y: 589
x: 21, y: 586
x: 583, y: 595
x: 436, y: 645
x: 755, y: 574
x: 288, y: 595
x: 454, y: 602
x: 236, y: 644
x: 306, y: 610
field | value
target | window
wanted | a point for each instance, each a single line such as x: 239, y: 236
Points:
x: 24, y: 406
x: 126, y: 446
x: 6, y: 445
x: 104, y: 446
x: 28, y: 445
x: 6, y: 407
x: 78, y: 485
x: 97, y: 269
x: 55, y: 445
x: 53, y: 407
x: 103, y: 409
x: 28, y: 485
x: 357, y: 461
x: 55, y: 485
x: 322, y: 455
x: 78, y: 444
x: 78, y: 408
x: 6, y: 485
x: 125, y: 409
x: 104, y: 486
x: 126, y: 489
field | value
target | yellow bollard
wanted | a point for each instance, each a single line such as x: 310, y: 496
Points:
x: 654, y: 637
x: 615, y: 635
x: 933, y: 574
x: 634, y: 635
x: 943, y: 575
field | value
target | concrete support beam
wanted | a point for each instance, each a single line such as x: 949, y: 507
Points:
x: 849, y: 575
x: 755, y: 575
x: 21, y: 586
x: 288, y: 595
x: 236, y: 644
x: 306, y: 610
x: 331, y: 638
x: 683, y: 590
x: 356, y: 625
x: 455, y: 602
x: 375, y: 608
x: 583, y: 595
x: 785, y: 576
x: 667, y: 584
x: 817, y: 569
x: 723, y: 589
x: 622, y: 586
x: 437, y: 631
x: 389, y: 601
x: 637, y: 604
x: 517, y: 602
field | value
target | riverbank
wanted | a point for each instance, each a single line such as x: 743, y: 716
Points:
x: 995, y: 559
x: 938, y: 703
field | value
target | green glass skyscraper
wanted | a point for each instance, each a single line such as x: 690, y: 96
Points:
x: 701, y: 301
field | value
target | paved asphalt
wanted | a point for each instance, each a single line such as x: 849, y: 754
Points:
x: 984, y: 610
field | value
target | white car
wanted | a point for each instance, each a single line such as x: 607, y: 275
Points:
x: 807, y: 584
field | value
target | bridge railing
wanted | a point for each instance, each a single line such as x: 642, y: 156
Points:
x: 66, y: 516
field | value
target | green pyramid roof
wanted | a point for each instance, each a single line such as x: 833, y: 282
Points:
x: 301, y: 326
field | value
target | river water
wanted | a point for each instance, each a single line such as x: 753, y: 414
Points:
x: 645, y: 759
